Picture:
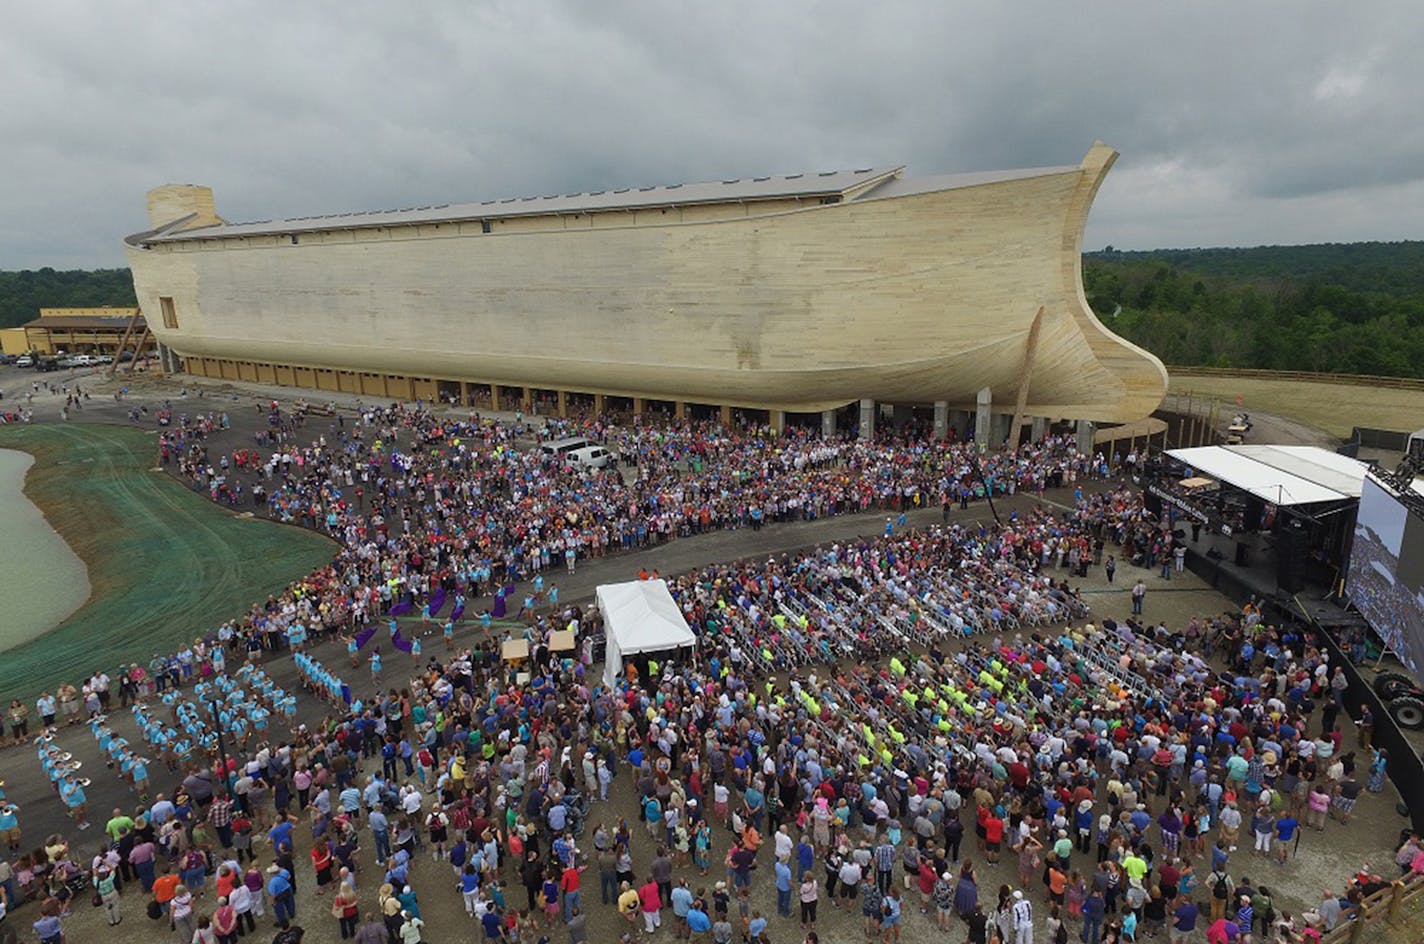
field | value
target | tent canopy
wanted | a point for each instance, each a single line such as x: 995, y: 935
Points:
x: 639, y: 616
x: 1282, y: 475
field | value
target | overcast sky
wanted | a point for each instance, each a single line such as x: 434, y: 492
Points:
x: 1238, y: 123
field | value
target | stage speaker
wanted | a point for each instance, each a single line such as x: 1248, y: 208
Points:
x: 1291, y: 549
x: 1241, y: 560
x: 1255, y: 509
x: 1153, y: 504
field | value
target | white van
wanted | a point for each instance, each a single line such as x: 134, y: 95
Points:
x: 559, y: 448
x: 590, y: 457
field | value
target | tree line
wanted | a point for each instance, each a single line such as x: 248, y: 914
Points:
x: 1334, y: 307
x: 24, y: 293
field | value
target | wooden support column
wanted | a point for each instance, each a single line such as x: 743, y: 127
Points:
x: 528, y: 400
x: 563, y: 402
x: 726, y: 415
x: 637, y: 406
x: 1025, y: 376
x: 464, y: 393
x: 679, y: 409
x: 142, y: 342
x: 494, y: 398
x: 598, y: 404
x: 778, y: 420
x: 124, y: 342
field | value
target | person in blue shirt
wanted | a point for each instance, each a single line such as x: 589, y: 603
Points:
x: 805, y: 857
x: 281, y: 834
x: 48, y: 929
x: 756, y: 803
x: 697, y: 921
x: 653, y: 812
x: 407, y: 901
x: 10, y: 825
x: 380, y: 831
x: 284, y: 900
x: 782, y: 873
x: 493, y: 923
x: 161, y: 811
x: 1286, y: 828
x: 470, y: 887
x: 890, y: 909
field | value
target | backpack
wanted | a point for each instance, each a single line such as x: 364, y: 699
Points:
x: 1219, y: 889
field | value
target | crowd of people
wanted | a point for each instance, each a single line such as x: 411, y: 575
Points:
x: 851, y: 714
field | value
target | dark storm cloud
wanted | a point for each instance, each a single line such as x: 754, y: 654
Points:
x: 1237, y: 123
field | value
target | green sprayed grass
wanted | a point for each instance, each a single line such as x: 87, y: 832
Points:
x: 165, y: 564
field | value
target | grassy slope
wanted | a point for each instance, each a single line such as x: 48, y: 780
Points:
x: 1334, y: 408
x: 164, y: 563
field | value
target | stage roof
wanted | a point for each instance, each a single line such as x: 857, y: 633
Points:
x: 1282, y: 475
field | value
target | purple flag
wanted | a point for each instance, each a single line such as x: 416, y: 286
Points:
x: 401, y: 608
x: 457, y: 612
x: 437, y: 601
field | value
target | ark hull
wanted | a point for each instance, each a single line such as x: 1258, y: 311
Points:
x: 906, y: 294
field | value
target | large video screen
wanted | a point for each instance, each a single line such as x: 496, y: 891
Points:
x: 1386, y: 576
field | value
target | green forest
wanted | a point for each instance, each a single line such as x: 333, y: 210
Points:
x: 24, y: 293
x: 1335, y: 307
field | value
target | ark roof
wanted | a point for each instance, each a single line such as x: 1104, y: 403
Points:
x: 827, y: 184
x: 867, y: 183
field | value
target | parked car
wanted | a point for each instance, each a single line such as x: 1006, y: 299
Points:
x: 561, y: 448
x: 24, y: 360
x: 590, y: 457
x: 46, y: 364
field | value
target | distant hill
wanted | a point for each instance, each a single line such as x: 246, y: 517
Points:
x: 24, y: 293
x: 1332, y: 307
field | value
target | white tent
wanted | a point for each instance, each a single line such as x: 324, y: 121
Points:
x: 639, y: 616
x: 1282, y: 475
